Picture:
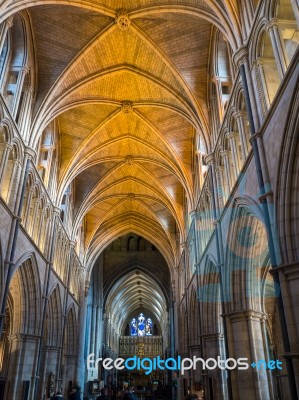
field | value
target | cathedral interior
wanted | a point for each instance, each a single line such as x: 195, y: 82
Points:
x: 149, y: 197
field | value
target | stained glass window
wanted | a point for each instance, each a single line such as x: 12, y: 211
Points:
x: 141, y: 326
x: 134, y: 327
x: 149, y: 327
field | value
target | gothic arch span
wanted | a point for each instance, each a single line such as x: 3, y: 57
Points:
x: 287, y: 184
x: 246, y: 258
x: 25, y: 290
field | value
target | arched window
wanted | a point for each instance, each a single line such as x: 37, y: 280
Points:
x: 141, y: 326
x: 288, y: 27
x: 267, y: 74
x: 47, y: 156
x: 141, y: 244
x: 3, y: 57
x: 132, y: 244
x: 14, y: 76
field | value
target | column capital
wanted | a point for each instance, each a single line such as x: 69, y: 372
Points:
x: 28, y: 89
x: 56, y: 210
x: 192, y: 213
x: 87, y: 285
x: 184, y: 245
x: 231, y: 135
x: 7, y: 146
x: 271, y: 24
x: 254, y: 137
x: 9, y: 21
x: 30, y: 153
x: 25, y: 69
x: 244, y: 315
x: 224, y: 153
x: 239, y: 114
x: 210, y: 159
x: 240, y: 56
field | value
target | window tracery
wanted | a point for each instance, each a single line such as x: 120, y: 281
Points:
x: 141, y: 326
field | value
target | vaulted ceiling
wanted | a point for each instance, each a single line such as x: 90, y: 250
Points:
x: 126, y: 82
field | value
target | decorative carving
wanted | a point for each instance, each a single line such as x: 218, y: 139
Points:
x: 209, y: 159
x: 140, y: 351
x: 131, y: 196
x: 129, y: 160
x: 9, y: 22
x: 51, y: 385
x: 240, y: 56
x: 127, y: 107
x: 122, y: 20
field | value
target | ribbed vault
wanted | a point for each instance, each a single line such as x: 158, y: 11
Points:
x: 129, y: 102
x: 133, y: 282
x: 132, y: 292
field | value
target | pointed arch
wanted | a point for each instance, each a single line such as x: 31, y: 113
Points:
x: 25, y: 291
x: 54, y: 317
x: 246, y: 257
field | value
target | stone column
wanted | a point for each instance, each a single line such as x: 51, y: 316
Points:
x: 81, y: 341
x: 5, y: 155
x: 295, y: 4
x: 232, y: 137
x: 246, y: 341
x: 13, y: 234
x: 222, y: 196
x: 280, y: 54
x: 227, y: 170
x: 243, y: 136
x: 213, y: 345
x: 241, y: 57
x: 214, y: 117
x: 30, y: 155
x: 19, y: 87
x: 289, y: 281
x: 60, y: 355
x: 11, y: 194
x: 25, y: 113
x: 5, y: 26
x: 24, y: 350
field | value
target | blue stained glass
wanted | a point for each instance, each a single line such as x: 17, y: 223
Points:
x: 141, y: 326
x: 149, y: 327
x: 134, y: 327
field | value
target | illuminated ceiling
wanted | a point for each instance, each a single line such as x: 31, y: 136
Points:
x: 126, y: 82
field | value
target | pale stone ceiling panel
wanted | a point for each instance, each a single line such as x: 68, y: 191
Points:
x: 129, y: 185
x: 98, y: 213
x: 85, y: 181
x: 120, y: 125
x: 128, y: 206
x: 60, y: 33
x: 130, y: 171
x: 76, y: 124
x: 177, y: 131
x: 137, y: 4
x: 125, y: 146
x: 158, y: 207
x: 124, y: 85
x: 116, y: 48
x: 168, y: 180
x: 185, y: 41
